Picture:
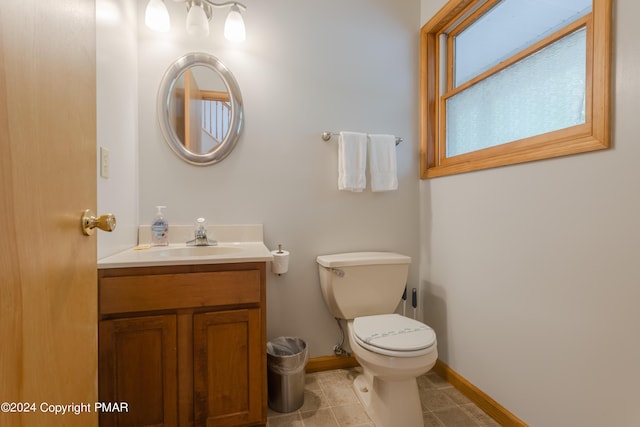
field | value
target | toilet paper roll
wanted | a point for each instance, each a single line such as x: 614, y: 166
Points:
x: 280, y: 262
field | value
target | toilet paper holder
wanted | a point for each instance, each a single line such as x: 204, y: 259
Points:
x: 280, y: 261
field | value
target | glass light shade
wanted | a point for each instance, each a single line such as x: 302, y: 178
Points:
x: 197, y: 22
x: 234, y: 26
x: 156, y: 16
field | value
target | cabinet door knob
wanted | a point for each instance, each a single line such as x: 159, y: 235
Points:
x: 89, y: 222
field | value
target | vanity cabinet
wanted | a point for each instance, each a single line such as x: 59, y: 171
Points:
x: 183, y: 345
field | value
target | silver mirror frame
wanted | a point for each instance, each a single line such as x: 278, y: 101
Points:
x: 164, y: 98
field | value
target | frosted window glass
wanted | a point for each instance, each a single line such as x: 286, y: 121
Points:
x: 508, y: 28
x: 541, y: 93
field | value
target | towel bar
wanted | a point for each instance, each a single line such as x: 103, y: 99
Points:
x: 326, y: 136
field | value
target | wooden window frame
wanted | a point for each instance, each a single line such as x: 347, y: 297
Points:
x: 590, y: 136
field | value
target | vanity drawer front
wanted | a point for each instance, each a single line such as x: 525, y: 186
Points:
x: 126, y: 294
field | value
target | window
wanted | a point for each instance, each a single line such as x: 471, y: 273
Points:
x: 512, y: 81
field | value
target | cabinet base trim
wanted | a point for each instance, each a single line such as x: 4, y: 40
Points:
x: 327, y: 363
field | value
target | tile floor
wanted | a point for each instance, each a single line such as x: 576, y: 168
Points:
x: 329, y: 401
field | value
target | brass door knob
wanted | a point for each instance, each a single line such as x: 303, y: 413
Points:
x: 89, y: 222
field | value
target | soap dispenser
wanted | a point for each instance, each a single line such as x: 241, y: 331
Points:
x: 160, y: 229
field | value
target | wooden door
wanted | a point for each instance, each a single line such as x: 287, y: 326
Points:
x: 48, y: 297
x: 227, y: 370
x: 138, y: 366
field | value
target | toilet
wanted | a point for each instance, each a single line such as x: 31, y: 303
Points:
x: 364, y: 288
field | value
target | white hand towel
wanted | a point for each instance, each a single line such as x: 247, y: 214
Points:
x: 382, y: 162
x: 352, y: 161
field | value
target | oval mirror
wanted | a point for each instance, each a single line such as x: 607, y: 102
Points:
x: 200, y: 109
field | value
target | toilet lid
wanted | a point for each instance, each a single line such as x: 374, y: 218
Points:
x: 393, y: 332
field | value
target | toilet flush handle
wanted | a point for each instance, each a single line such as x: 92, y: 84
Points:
x: 337, y: 272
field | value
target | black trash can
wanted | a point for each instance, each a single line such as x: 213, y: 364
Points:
x: 286, y: 361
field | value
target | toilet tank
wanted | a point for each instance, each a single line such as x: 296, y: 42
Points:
x: 362, y: 283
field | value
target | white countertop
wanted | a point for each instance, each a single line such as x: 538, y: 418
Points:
x: 162, y: 255
x: 241, y: 247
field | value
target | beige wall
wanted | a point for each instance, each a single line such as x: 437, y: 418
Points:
x: 117, y: 120
x: 306, y: 67
x: 531, y: 273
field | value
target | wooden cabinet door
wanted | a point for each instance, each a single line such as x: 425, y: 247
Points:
x: 228, y: 368
x: 138, y: 366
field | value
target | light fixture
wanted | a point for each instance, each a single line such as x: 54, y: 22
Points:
x: 234, y: 25
x: 156, y: 16
x: 197, y: 20
x: 199, y: 13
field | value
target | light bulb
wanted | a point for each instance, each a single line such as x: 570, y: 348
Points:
x: 156, y: 16
x: 234, y: 26
x: 197, y: 22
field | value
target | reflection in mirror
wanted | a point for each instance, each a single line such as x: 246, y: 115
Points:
x: 200, y: 109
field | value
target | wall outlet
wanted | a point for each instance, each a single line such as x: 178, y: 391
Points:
x: 104, y: 162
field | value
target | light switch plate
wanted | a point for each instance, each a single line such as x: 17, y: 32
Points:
x: 104, y: 162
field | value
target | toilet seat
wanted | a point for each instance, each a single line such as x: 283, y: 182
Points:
x: 394, y: 335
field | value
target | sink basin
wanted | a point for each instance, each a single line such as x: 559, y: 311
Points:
x: 193, y: 251
x: 236, y: 244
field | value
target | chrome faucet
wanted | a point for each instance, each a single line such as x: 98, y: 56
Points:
x: 200, y: 234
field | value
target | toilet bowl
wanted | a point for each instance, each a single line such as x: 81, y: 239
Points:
x: 364, y: 288
x: 387, y: 388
